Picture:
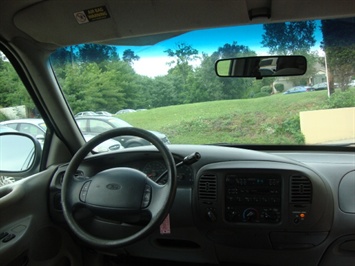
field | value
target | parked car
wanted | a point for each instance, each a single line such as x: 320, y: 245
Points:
x: 124, y: 111
x: 4, y: 129
x: 250, y: 178
x: 33, y: 126
x: 320, y: 86
x: 37, y: 128
x: 352, y: 83
x: 106, y: 146
x: 299, y: 89
x: 103, y: 113
x: 85, y: 113
x: 99, y: 124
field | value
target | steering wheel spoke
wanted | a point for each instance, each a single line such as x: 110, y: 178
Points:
x: 76, y: 193
x: 155, y: 194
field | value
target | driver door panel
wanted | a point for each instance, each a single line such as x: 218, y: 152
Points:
x: 28, y: 236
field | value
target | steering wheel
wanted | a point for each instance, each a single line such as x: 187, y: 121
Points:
x: 121, y: 194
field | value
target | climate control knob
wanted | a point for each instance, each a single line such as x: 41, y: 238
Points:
x: 250, y: 215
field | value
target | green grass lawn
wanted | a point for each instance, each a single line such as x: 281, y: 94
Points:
x: 273, y: 119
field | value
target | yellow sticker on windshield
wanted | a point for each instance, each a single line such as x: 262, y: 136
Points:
x: 92, y: 14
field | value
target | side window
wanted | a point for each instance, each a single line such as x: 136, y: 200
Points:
x: 30, y: 129
x: 82, y: 124
x: 15, y: 105
x: 13, y: 126
x: 98, y: 126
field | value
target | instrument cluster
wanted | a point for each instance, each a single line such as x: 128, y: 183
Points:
x: 156, y: 170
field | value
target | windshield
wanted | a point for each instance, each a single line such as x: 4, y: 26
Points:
x: 172, y: 88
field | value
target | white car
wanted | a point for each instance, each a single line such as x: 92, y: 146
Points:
x: 320, y: 86
x: 103, y: 113
x: 107, y: 145
x: 352, y: 83
x: 33, y: 126
x: 85, y: 113
x: 4, y: 129
x: 124, y: 111
x: 37, y: 128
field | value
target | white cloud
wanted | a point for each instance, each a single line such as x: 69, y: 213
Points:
x: 156, y: 66
x: 152, y: 66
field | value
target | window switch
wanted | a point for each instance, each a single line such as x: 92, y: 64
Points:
x: 8, y: 238
x: 3, y: 234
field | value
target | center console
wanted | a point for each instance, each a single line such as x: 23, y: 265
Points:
x: 253, y: 198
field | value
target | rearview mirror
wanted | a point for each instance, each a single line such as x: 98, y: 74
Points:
x: 261, y: 66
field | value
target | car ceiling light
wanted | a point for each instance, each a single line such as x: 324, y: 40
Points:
x: 259, y: 13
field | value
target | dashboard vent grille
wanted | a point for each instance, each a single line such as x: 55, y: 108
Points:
x: 207, y: 187
x: 301, y: 189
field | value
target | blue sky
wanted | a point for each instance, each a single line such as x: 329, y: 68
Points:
x: 204, y: 40
x: 153, y: 60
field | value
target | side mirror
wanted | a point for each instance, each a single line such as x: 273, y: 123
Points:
x: 20, y: 154
x: 261, y: 66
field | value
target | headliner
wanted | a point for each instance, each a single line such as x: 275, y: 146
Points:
x: 53, y: 22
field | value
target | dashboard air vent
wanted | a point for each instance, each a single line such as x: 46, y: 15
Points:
x: 301, y: 189
x: 207, y: 187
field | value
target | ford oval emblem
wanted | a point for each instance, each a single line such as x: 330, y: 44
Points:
x: 113, y: 186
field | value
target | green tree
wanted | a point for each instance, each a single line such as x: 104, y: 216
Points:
x: 108, y: 93
x: 289, y: 37
x: 144, y: 86
x: 12, y: 90
x: 126, y: 81
x: 339, y: 47
x: 205, y: 85
x: 163, y: 91
x: 79, y: 83
x: 233, y: 88
x: 182, y: 56
x: 129, y: 56
x: 62, y: 56
x: 232, y: 50
x: 96, y: 53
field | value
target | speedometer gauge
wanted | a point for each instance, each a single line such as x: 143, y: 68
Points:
x: 154, y: 169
